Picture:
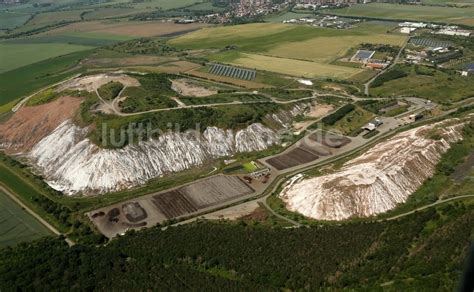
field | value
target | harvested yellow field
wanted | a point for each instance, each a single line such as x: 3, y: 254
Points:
x: 295, y: 67
x: 327, y: 49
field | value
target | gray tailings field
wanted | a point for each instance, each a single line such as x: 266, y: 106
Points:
x: 180, y: 202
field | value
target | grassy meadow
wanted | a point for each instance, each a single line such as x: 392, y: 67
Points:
x: 353, y: 121
x: 453, y: 15
x: 436, y: 85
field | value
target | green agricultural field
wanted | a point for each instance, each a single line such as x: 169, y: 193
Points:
x: 73, y: 38
x: 103, y: 13
x: 30, y: 195
x: 28, y: 79
x: 14, y: 56
x: 206, y: 6
x: 56, y: 16
x: 9, y: 20
x: 16, y: 224
x: 165, y: 4
x: 255, y: 37
x: 410, y: 12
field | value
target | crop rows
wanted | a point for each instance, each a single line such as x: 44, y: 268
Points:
x: 233, y: 72
x: 431, y: 43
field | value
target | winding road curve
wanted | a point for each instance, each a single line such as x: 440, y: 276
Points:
x: 113, y: 106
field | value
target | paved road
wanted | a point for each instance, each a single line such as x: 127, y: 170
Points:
x: 39, y: 218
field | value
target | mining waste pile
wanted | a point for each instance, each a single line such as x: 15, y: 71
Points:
x: 376, y: 181
x: 60, y: 150
x: 72, y: 163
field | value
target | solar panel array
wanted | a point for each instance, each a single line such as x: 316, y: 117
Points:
x: 233, y: 72
x: 431, y: 43
x: 364, y: 55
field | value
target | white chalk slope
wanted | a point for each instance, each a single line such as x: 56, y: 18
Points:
x: 376, y: 181
x: 71, y: 163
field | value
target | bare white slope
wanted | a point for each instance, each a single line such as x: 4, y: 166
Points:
x: 71, y: 163
x: 376, y: 181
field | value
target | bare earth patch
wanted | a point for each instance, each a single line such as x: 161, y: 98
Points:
x: 316, y: 111
x: 31, y: 124
x: 178, y: 67
x: 259, y: 214
x: 186, y: 87
x: 94, y: 82
x: 127, y: 61
x: 233, y: 213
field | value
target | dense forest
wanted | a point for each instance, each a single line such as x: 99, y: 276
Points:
x: 426, y: 250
